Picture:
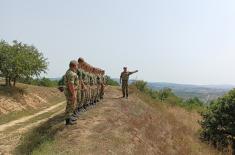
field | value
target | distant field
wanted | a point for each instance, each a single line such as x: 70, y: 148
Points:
x: 205, y: 93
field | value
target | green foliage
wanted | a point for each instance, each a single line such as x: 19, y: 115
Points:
x: 218, y: 124
x: 20, y: 61
x: 193, y: 103
x: 166, y: 95
x: 46, y: 82
x: 111, y: 82
x: 141, y: 85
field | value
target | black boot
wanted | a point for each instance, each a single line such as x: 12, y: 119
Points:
x: 69, y: 121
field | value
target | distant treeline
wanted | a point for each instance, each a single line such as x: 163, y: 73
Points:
x: 46, y: 82
x: 167, y: 95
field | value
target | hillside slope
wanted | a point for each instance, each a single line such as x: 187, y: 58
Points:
x: 24, y: 108
x: 138, y: 125
x: 25, y: 97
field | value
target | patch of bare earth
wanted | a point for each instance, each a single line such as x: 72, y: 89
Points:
x: 23, y: 108
x: 25, y: 96
x: 121, y: 126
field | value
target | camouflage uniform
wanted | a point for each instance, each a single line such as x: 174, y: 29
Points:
x: 125, y: 77
x: 102, y: 85
x: 92, y: 90
x: 71, y: 77
x: 79, y: 91
x: 87, y: 89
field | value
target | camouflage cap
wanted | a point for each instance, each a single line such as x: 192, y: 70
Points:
x: 73, y: 62
x: 81, y: 59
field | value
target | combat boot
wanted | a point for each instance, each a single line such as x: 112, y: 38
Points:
x: 69, y: 121
x: 77, y: 112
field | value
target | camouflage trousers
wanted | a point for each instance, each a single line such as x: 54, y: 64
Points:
x: 79, y: 98
x: 70, y: 106
x: 85, y: 95
x: 98, y: 92
x: 101, y: 91
x: 94, y: 93
x: 125, y: 88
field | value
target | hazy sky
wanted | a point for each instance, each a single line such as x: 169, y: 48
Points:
x: 182, y: 41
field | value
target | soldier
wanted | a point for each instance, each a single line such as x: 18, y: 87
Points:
x: 86, y: 86
x: 98, y: 86
x: 124, y: 81
x: 79, y: 107
x: 81, y: 72
x: 103, y: 82
x: 92, y: 85
x: 70, y: 91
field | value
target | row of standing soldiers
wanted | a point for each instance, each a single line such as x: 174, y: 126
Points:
x: 83, y: 86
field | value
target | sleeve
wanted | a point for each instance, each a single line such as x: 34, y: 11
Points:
x: 71, y: 78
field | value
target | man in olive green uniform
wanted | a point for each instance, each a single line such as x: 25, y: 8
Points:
x: 124, y: 81
x: 70, y: 91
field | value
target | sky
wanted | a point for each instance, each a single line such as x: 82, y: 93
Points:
x: 178, y: 41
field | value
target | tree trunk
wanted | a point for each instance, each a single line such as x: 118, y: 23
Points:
x: 6, y: 81
x: 9, y: 81
x: 14, y: 82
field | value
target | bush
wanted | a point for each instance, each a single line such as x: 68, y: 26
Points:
x: 46, y: 82
x: 218, y: 123
x: 164, y: 93
x: 111, y: 82
x: 141, y: 85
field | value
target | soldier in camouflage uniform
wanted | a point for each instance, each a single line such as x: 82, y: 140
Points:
x: 98, y: 85
x: 124, y: 81
x: 86, y: 86
x: 81, y: 75
x: 70, y: 91
x: 103, y: 83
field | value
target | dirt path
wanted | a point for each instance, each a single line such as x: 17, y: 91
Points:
x: 10, y: 139
x: 4, y: 127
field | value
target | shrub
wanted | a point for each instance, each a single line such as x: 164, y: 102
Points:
x: 110, y: 81
x: 218, y: 123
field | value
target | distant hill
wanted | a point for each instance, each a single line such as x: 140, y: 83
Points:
x: 206, y: 93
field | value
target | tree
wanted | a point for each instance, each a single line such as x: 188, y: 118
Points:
x: 6, y: 57
x: 218, y: 123
x: 20, y: 61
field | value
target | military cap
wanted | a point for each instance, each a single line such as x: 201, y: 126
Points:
x: 73, y: 62
x: 81, y: 59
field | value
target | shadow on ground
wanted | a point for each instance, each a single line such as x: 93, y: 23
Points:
x: 39, y: 135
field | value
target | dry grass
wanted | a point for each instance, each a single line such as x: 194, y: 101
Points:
x: 138, y: 125
x: 25, y: 99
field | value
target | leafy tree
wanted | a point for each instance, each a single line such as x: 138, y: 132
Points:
x: 20, y: 61
x: 5, y: 59
x: 218, y: 123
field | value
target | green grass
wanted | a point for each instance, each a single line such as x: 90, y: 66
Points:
x: 45, y: 133
x: 16, y: 115
x: 29, y: 111
x: 35, y: 119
